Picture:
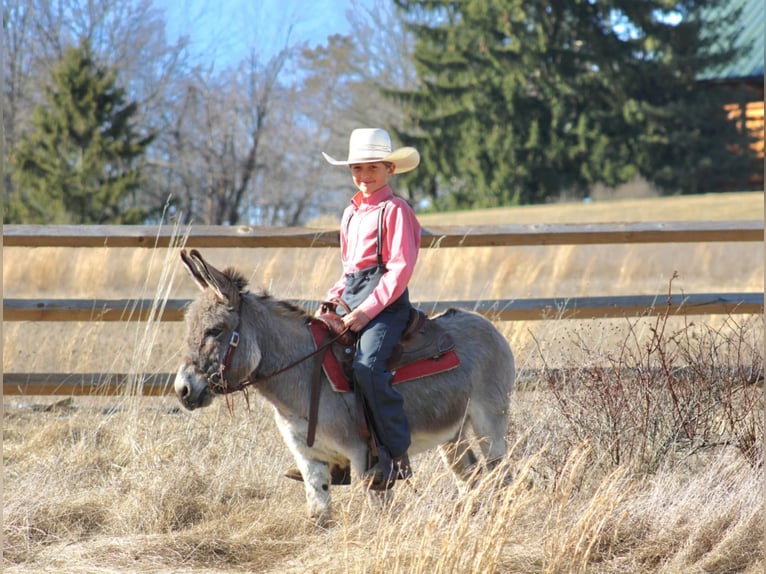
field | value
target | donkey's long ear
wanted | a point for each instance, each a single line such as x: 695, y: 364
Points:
x: 191, y: 267
x: 208, y: 277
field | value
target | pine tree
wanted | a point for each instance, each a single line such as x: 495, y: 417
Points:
x: 521, y: 100
x: 684, y: 139
x: 511, y: 103
x: 81, y: 161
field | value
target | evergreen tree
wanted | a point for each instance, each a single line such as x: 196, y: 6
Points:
x: 683, y: 137
x: 521, y: 100
x: 81, y: 161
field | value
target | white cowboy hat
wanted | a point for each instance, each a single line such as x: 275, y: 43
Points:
x: 370, y: 145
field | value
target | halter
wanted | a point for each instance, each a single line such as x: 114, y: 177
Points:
x: 217, y: 380
x: 220, y: 385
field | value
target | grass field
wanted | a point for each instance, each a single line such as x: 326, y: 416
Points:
x: 658, y: 470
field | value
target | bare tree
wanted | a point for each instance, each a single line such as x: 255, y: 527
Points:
x: 382, y: 60
x: 379, y: 62
x: 302, y: 186
x: 239, y: 127
x: 247, y: 145
x: 322, y: 93
x: 217, y: 139
x: 21, y: 87
x: 340, y: 89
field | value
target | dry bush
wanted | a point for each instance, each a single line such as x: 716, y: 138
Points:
x: 671, y: 394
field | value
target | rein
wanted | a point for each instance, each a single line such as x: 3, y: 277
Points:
x: 336, y: 330
x: 221, y: 386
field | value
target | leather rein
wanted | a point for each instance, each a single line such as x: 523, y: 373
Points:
x: 220, y: 385
x: 335, y: 331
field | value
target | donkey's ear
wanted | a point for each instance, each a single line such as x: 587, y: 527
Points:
x: 208, y: 277
x: 191, y: 267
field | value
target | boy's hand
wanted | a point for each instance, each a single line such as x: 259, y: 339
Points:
x: 356, y: 320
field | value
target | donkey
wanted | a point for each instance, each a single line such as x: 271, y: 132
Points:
x: 239, y: 335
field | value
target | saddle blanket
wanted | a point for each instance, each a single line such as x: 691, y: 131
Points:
x: 417, y: 370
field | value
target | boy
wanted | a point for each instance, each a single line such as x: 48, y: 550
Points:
x: 380, y: 239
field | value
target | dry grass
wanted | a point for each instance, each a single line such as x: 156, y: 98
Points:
x: 122, y: 484
x: 137, y: 486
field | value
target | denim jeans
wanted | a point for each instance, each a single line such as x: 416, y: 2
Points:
x: 373, y: 350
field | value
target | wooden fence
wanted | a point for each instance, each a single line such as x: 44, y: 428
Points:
x: 433, y: 237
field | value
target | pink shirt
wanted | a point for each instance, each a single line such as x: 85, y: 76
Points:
x: 358, y: 242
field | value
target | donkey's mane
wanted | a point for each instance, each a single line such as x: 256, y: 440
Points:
x: 282, y: 307
x: 239, y: 280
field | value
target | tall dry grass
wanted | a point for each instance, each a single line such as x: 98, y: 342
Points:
x: 128, y: 484
x: 135, y: 485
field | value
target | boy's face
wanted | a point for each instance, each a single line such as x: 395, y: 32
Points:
x: 370, y: 177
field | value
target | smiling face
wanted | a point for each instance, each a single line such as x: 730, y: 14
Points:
x: 370, y: 177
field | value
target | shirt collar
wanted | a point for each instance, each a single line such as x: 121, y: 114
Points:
x: 381, y: 195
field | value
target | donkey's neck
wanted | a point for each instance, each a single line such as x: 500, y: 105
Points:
x: 279, y: 329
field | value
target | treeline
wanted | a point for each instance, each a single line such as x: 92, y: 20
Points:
x: 108, y: 120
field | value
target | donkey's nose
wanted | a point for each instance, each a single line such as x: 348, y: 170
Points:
x: 183, y: 392
x: 183, y: 389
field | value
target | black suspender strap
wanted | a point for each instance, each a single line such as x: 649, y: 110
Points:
x: 379, y: 249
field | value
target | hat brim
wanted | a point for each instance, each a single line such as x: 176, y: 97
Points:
x: 404, y: 159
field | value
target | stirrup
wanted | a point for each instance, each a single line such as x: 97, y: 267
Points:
x: 384, y: 474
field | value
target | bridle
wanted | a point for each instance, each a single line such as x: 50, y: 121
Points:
x: 220, y: 385
x: 217, y: 380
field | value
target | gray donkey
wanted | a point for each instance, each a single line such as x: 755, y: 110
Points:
x: 238, y: 335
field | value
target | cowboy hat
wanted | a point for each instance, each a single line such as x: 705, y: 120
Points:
x: 370, y: 145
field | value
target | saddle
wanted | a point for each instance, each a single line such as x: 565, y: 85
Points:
x: 423, y: 338
x: 424, y: 342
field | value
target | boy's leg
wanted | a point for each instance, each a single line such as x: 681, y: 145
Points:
x: 384, y: 402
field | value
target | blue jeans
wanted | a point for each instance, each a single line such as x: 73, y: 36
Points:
x: 373, y: 350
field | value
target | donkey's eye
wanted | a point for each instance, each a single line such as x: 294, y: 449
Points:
x: 213, y: 332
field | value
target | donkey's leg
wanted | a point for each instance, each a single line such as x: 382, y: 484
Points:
x: 460, y: 459
x: 490, y: 424
x: 316, y: 473
x: 316, y: 480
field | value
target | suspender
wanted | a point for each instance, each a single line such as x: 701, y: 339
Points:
x: 379, y: 246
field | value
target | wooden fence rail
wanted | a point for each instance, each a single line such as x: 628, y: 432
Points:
x: 157, y: 384
x: 434, y: 236
x: 495, y: 309
x: 65, y: 236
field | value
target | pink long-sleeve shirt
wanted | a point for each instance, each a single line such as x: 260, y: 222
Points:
x: 358, y: 242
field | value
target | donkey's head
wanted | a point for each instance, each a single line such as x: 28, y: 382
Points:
x: 213, y: 324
